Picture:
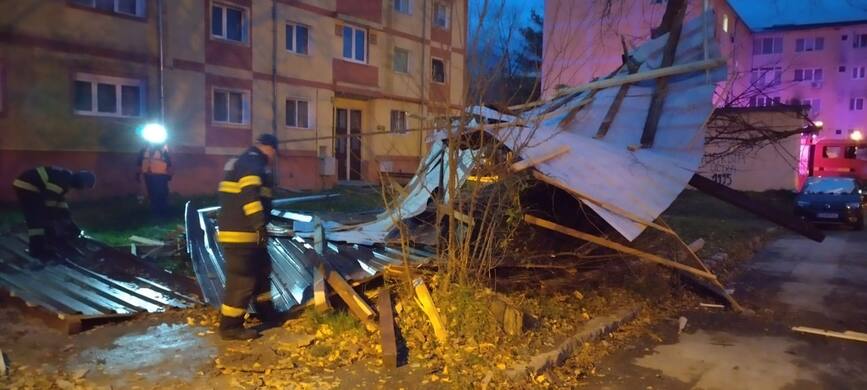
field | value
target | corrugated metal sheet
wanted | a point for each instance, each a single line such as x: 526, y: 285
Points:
x: 74, y: 291
x: 293, y: 260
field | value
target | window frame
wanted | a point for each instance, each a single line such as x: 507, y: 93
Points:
x: 297, y: 99
x: 118, y: 82
x: 246, y: 95
x: 859, y: 72
x: 446, y: 15
x: 141, y: 8
x: 855, y: 102
x: 295, y: 27
x: 859, y: 41
x: 394, y: 59
x: 445, y: 71
x: 352, y: 58
x: 809, y: 45
x: 409, y: 7
x: 245, y: 24
x: 813, y: 72
x: 402, y: 116
x: 776, y: 44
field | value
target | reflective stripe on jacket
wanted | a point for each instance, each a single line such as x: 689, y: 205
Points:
x: 155, y: 160
x: 244, y: 204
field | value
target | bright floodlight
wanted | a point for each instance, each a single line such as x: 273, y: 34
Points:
x: 856, y: 135
x: 819, y: 124
x: 154, y: 133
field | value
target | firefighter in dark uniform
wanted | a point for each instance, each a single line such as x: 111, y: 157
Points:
x: 41, y: 194
x: 245, y: 208
x: 154, y: 164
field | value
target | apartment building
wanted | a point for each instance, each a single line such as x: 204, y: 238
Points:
x: 811, y: 60
x: 79, y: 77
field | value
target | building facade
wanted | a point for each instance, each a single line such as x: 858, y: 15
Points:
x: 79, y: 77
x: 817, y: 65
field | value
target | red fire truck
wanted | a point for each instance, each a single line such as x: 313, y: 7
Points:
x: 833, y: 157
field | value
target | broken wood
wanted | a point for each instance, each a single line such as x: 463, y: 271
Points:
x: 424, y: 299
x: 632, y: 67
x: 357, y: 306
x: 740, y: 200
x: 672, y: 23
x: 512, y: 319
x: 847, y: 335
x: 2, y: 364
x: 696, y: 245
x: 530, y: 162
x: 386, y: 329
x: 641, y: 255
x: 146, y: 241
x: 712, y: 305
x: 320, y: 296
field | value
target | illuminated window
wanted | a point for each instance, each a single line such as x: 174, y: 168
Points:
x: 296, y: 38
x: 124, y: 7
x: 229, y: 23
x: 230, y: 106
x: 297, y: 113
x: 725, y: 25
x: 354, y: 44
x: 107, y: 96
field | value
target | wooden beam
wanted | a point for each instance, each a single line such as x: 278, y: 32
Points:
x: 848, y: 335
x: 738, y: 199
x: 530, y: 162
x: 357, y: 305
x: 648, y: 75
x: 612, y: 112
x: 386, y: 328
x: 320, y: 296
x: 617, y: 247
x: 425, y: 300
x: 672, y: 23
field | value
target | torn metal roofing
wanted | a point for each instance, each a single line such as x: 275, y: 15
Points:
x: 293, y: 260
x: 611, y: 166
x: 82, y: 287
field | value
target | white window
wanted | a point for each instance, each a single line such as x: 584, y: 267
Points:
x: 403, y: 6
x: 814, y: 74
x: 231, y: 106
x: 764, y: 101
x: 438, y: 70
x: 859, y: 41
x: 809, y: 44
x: 124, y: 7
x: 767, y: 76
x: 108, y: 96
x: 400, y: 62
x: 856, y: 104
x: 354, y: 44
x: 725, y: 23
x: 441, y: 15
x: 229, y: 23
x: 858, y: 73
x: 297, y: 113
x: 398, y: 121
x: 297, y: 38
x: 770, y: 45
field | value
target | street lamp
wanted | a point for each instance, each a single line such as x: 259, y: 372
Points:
x: 154, y: 133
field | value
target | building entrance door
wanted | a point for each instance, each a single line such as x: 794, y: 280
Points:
x: 348, y: 144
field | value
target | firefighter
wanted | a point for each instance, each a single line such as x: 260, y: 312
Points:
x: 154, y: 164
x: 245, y: 200
x: 41, y: 194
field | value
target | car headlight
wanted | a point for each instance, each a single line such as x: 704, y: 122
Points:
x: 803, y: 203
x: 853, y: 205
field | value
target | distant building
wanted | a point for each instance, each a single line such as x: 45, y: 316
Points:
x: 820, y: 65
x: 77, y: 77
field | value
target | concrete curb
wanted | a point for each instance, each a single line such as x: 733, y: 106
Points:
x: 592, y: 330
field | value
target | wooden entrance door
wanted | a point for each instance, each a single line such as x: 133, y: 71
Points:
x: 347, y: 150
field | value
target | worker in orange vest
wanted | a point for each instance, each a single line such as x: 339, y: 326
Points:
x: 155, y: 165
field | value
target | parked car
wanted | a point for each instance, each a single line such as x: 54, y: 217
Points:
x: 837, y: 200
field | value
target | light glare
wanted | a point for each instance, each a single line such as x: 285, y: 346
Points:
x: 154, y: 133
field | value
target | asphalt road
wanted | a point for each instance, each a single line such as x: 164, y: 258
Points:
x: 791, y: 282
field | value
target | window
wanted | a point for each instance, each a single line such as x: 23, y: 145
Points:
x: 815, y: 74
x: 438, y: 70
x: 296, y: 38
x: 772, y: 45
x: 398, y: 121
x: 856, y: 104
x: 354, y: 44
x: 107, y: 96
x: 859, y: 41
x: 402, y: 6
x: 441, y: 15
x: 764, y: 101
x: 231, y: 106
x: 297, y: 113
x: 400, y: 62
x: 768, y: 76
x: 858, y: 73
x: 842, y: 68
x: 123, y: 7
x: 725, y: 23
x: 228, y: 23
x: 814, y: 104
x: 809, y: 44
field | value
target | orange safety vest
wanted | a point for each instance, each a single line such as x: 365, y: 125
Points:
x: 153, y: 161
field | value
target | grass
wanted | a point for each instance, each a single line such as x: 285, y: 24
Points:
x: 351, y: 199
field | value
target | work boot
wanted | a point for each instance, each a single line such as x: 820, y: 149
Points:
x: 266, y: 313
x: 232, y: 328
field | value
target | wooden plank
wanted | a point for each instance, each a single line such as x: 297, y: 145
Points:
x: 320, y: 296
x: 357, y: 306
x: 612, y: 112
x: 524, y: 164
x: 673, y: 24
x: 386, y: 328
x: 425, y: 300
x: 738, y: 199
x: 696, y: 245
x: 847, y: 335
x: 617, y: 247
